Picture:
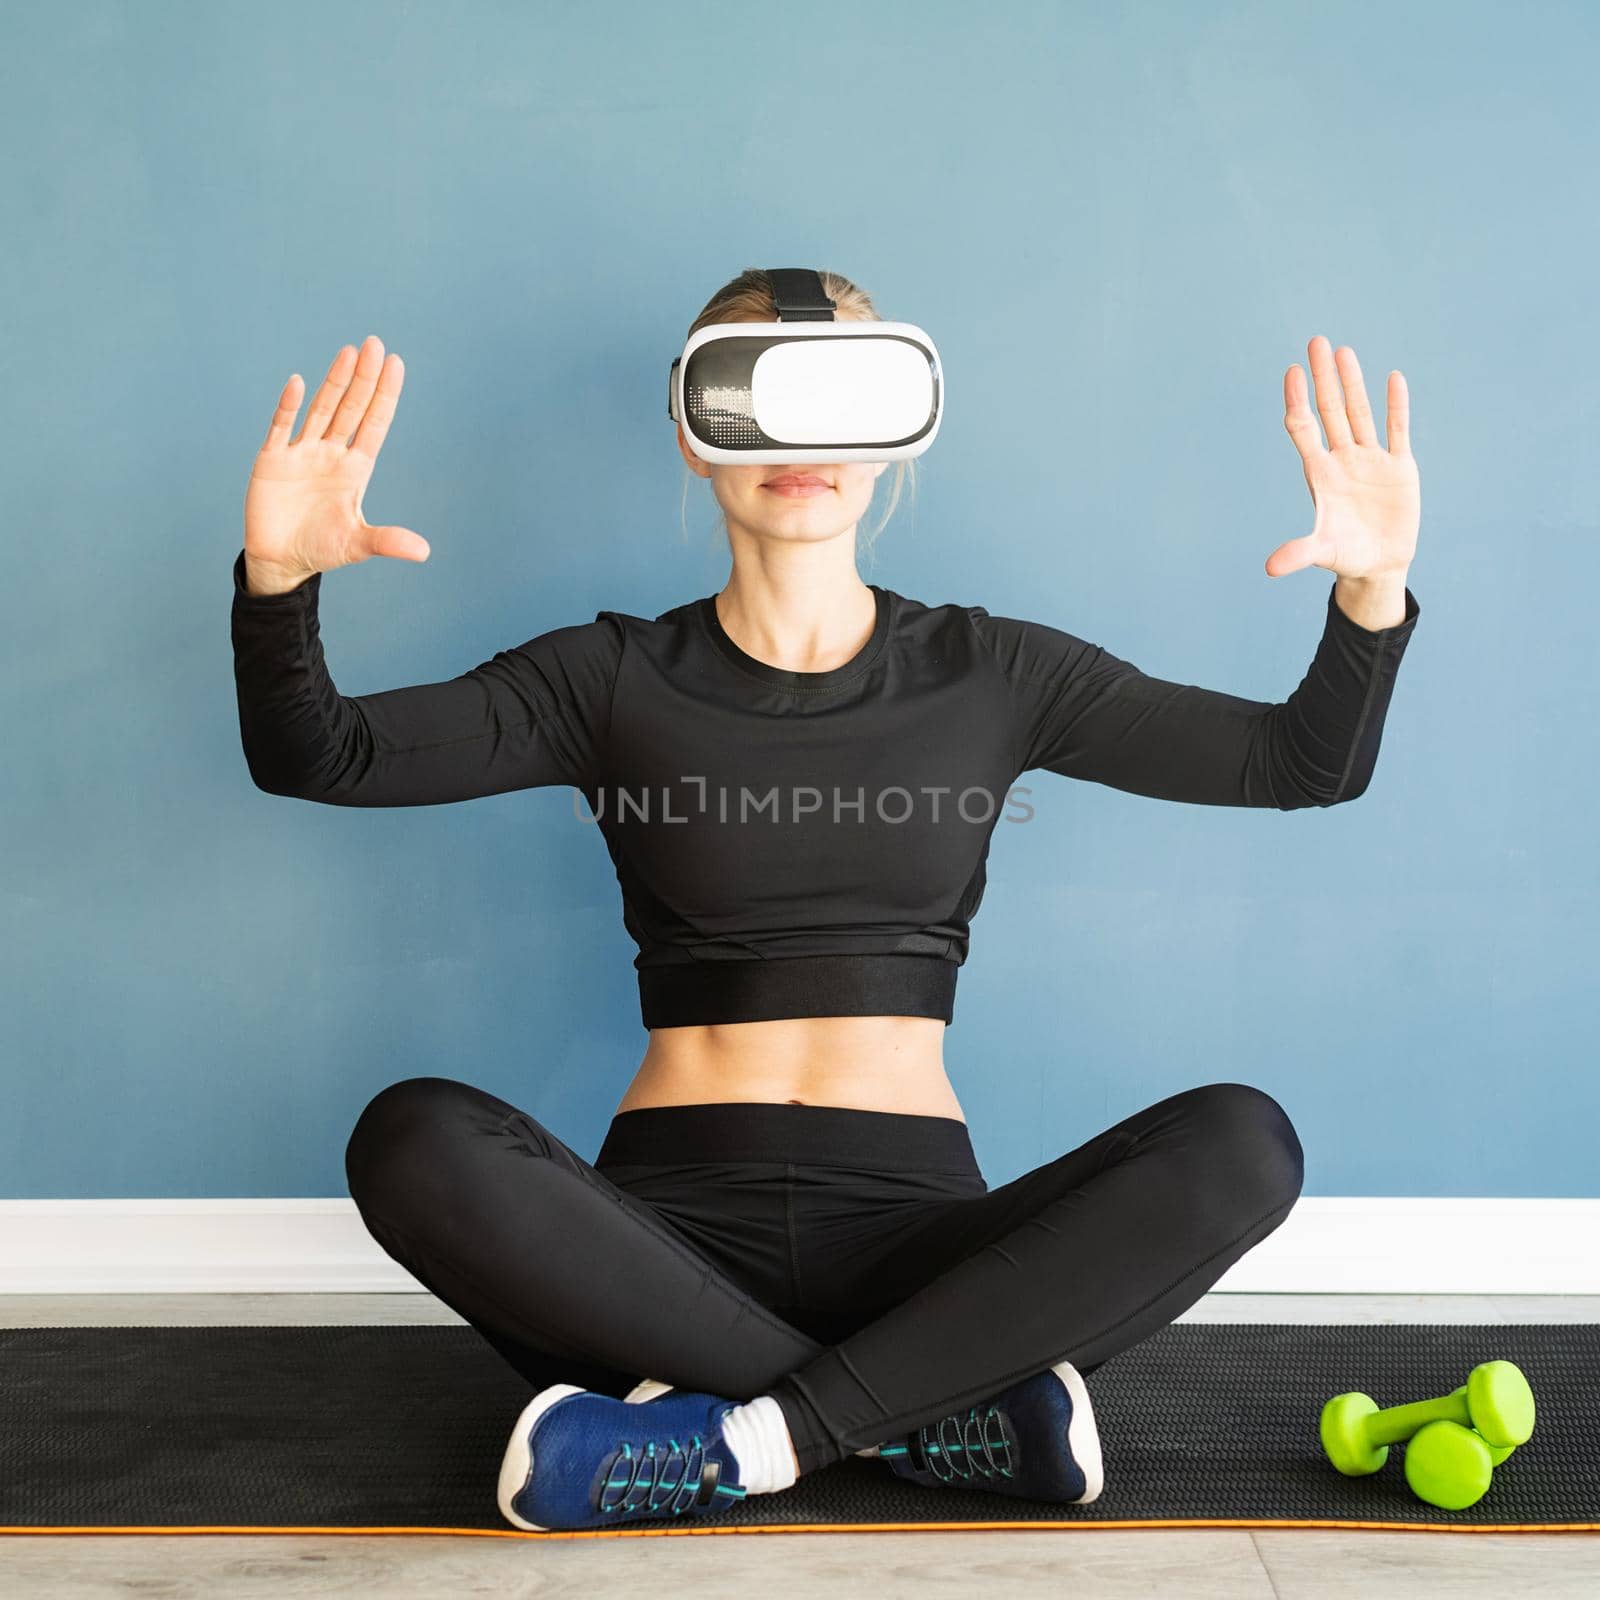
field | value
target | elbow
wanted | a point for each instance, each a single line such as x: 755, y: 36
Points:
x: 1301, y: 768
x: 287, y: 760
x: 295, y: 773
x: 1352, y: 791
x: 268, y: 779
x: 1323, y: 798
x: 1297, y: 779
x: 286, y: 784
x: 272, y: 783
x: 269, y: 763
x: 1354, y: 782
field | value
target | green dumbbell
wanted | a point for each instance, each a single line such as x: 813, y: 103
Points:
x: 1451, y: 1466
x: 1495, y: 1400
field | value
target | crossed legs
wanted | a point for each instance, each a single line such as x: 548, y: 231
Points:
x: 573, y: 1279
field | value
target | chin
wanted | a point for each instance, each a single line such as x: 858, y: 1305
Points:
x: 803, y: 520
x: 804, y: 535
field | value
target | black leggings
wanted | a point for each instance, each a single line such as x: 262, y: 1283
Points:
x: 852, y: 1264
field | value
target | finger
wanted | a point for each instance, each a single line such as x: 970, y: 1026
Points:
x: 1295, y: 555
x: 328, y: 392
x: 1356, y: 406
x: 368, y: 364
x: 374, y: 427
x: 282, y: 425
x: 1330, y: 402
x: 1297, y: 416
x: 1399, y: 415
x: 400, y: 543
x: 1290, y: 557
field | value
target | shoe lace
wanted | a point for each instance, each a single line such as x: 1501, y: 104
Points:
x: 654, y: 1481
x: 975, y: 1445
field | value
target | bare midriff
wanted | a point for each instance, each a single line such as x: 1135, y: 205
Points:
x: 862, y: 1063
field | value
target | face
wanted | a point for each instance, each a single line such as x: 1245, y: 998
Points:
x: 797, y: 501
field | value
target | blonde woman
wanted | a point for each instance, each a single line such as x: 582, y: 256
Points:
x: 784, y: 1251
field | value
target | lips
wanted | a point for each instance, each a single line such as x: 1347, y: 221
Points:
x: 798, y: 480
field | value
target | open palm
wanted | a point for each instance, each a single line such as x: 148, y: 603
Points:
x: 302, y: 509
x: 1367, y: 495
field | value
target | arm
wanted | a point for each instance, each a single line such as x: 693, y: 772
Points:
x: 534, y: 715
x: 1085, y: 713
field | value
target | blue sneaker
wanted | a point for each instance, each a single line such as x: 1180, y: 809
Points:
x: 1036, y: 1440
x: 577, y: 1459
x: 648, y: 1389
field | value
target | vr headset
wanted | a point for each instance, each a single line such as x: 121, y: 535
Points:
x: 806, y: 387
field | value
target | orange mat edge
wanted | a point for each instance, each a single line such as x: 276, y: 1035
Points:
x: 849, y: 1527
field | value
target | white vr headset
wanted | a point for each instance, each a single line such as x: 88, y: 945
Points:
x: 806, y: 387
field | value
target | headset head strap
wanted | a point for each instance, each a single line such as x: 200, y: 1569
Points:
x: 799, y: 295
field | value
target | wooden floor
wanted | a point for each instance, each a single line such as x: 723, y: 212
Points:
x: 1073, y: 1564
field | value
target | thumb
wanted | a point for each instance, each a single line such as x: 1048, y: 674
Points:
x: 1293, y: 556
x: 401, y: 543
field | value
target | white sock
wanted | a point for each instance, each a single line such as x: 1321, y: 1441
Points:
x: 759, y: 1439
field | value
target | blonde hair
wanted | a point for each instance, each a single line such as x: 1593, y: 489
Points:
x: 749, y: 298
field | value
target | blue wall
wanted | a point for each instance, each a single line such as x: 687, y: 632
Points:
x: 1120, y: 223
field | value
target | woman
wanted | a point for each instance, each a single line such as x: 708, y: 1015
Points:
x: 785, y: 1234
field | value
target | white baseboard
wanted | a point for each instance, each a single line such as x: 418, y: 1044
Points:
x: 1412, y: 1245
x: 1328, y: 1245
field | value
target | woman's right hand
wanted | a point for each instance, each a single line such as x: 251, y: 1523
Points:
x: 302, y: 509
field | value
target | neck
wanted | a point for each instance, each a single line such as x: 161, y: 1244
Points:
x: 803, y: 607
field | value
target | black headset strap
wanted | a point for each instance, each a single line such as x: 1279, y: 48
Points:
x: 799, y: 295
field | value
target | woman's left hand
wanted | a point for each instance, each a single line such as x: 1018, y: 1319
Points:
x: 1367, y: 496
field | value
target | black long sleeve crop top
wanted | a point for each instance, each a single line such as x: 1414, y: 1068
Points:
x: 800, y: 844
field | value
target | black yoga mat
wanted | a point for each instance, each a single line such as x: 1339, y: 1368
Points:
x: 403, y: 1427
